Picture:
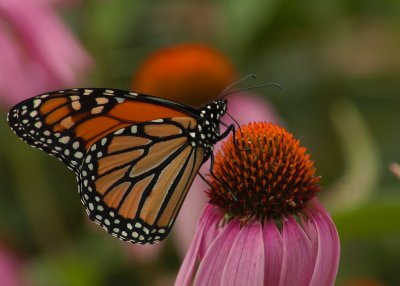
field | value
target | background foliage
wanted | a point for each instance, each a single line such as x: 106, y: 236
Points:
x: 339, y: 64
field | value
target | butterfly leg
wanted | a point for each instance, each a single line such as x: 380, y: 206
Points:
x: 231, y: 128
x: 205, y: 180
x: 221, y: 182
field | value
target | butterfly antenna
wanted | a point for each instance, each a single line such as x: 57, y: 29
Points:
x: 226, y: 90
x: 277, y: 85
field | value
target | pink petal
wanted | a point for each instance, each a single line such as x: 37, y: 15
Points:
x: 327, y: 259
x: 273, y: 249
x: 186, y: 271
x: 245, y: 263
x: 297, y: 266
x: 211, y: 267
x: 311, y: 231
x: 186, y: 222
x: 44, y: 54
x: 213, y: 230
x: 10, y: 268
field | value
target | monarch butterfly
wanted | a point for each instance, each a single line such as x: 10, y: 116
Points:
x: 135, y: 156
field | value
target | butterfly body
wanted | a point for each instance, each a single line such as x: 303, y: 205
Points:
x: 135, y: 156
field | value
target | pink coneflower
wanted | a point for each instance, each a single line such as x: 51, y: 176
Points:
x: 244, y: 107
x: 38, y: 53
x: 263, y: 224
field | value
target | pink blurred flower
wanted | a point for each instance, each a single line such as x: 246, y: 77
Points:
x: 38, y: 53
x: 395, y: 169
x: 263, y: 225
x: 10, y: 268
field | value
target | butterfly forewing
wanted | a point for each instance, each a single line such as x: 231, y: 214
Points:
x: 133, y: 181
x: 66, y: 123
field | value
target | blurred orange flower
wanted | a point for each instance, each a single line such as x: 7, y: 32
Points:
x: 191, y: 74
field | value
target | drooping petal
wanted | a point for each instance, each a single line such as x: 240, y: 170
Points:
x: 310, y: 229
x: 186, y: 222
x: 327, y: 259
x: 213, y: 263
x: 297, y: 264
x: 213, y: 230
x: 186, y: 271
x: 273, y: 253
x: 245, y: 263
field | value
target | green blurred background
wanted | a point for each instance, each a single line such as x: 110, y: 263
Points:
x: 339, y: 65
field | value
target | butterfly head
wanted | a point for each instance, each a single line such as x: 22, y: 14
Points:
x: 208, y: 132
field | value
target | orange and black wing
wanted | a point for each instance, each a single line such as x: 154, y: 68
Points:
x: 132, y: 154
x: 66, y: 123
x: 134, y: 180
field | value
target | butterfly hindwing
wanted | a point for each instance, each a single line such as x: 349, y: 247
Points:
x: 133, y: 181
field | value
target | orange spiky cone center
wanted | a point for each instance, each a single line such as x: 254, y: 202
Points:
x: 267, y: 175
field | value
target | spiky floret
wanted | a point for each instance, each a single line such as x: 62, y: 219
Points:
x: 267, y: 175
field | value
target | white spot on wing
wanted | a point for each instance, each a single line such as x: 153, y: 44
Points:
x: 64, y: 139
x: 36, y: 102
x: 38, y: 124
x: 120, y: 99
x: 97, y: 109
x: 88, y: 91
x: 76, y: 105
x: 120, y: 131
x: 78, y: 155
x: 101, y: 100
